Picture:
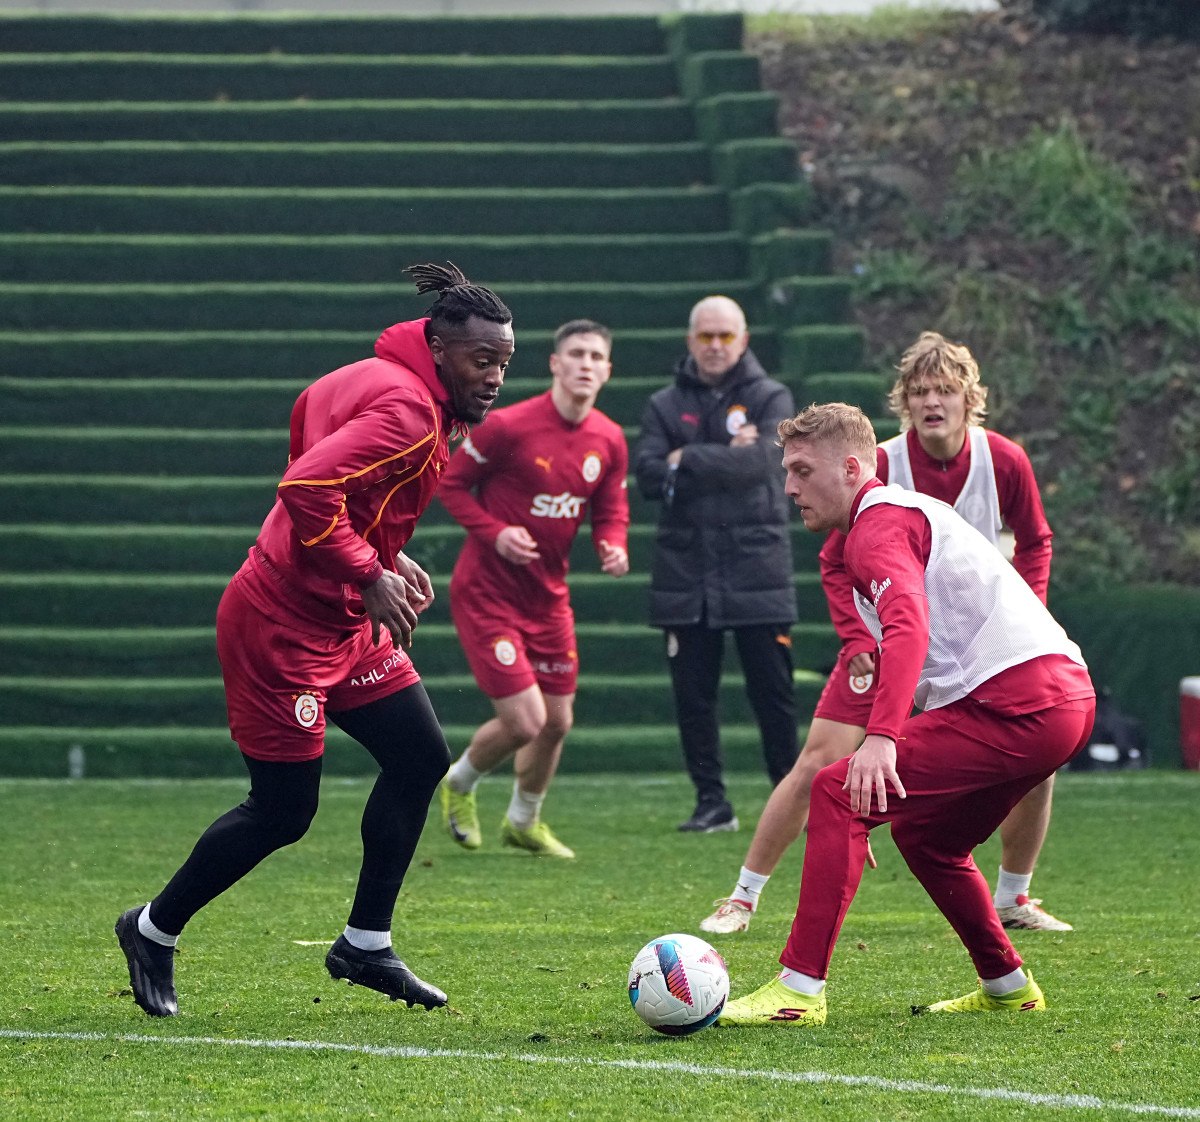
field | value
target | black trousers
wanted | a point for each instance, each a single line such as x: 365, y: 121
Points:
x: 694, y: 655
x: 402, y: 733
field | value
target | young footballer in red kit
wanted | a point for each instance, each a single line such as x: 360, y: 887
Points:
x: 943, y: 450
x: 522, y: 485
x: 316, y: 626
x: 1005, y: 700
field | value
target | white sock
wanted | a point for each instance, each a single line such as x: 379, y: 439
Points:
x: 749, y: 887
x: 366, y: 940
x: 801, y: 983
x: 1009, y: 886
x: 153, y: 933
x: 524, y: 808
x: 1010, y: 983
x: 462, y: 775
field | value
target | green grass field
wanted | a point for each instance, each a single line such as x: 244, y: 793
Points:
x: 534, y: 956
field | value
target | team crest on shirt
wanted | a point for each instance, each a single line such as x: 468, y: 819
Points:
x: 860, y: 683
x: 307, y: 710
x: 735, y: 419
x: 505, y: 651
x: 591, y: 466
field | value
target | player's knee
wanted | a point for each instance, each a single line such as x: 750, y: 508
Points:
x: 557, y: 726
x: 285, y: 822
x: 524, y: 725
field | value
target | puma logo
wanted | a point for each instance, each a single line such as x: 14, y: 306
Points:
x: 543, y: 462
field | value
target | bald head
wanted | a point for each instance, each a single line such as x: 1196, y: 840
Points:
x: 717, y: 337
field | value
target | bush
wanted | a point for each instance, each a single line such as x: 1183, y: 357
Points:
x: 1143, y: 19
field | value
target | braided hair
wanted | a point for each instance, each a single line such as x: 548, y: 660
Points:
x: 458, y: 299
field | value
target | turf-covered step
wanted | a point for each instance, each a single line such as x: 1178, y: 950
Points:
x: 171, y: 164
x: 199, y: 550
x: 127, y: 600
x: 206, y: 500
x: 244, y: 403
x: 87, y: 751
x: 190, y: 652
x: 131, y: 258
x: 145, y: 702
x: 198, y: 307
x: 816, y: 348
x: 866, y: 389
x: 605, y: 121
x: 160, y: 452
x: 305, y: 355
x: 153, y: 451
x: 296, y: 33
x: 333, y: 210
x: 247, y: 77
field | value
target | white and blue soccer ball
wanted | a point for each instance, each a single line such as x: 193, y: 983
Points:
x: 678, y: 984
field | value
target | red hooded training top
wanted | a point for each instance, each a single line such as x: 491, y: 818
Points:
x: 368, y: 445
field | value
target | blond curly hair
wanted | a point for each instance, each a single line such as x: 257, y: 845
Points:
x: 949, y: 366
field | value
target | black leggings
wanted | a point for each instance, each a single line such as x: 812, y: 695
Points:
x: 402, y: 733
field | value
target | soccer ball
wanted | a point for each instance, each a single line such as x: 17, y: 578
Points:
x: 678, y: 984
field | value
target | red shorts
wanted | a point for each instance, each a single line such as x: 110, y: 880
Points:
x: 509, y: 653
x: 280, y: 678
x: 846, y: 698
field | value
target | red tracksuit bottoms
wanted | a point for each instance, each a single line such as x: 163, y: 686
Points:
x: 964, y: 767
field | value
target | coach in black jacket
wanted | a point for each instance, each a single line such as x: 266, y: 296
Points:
x: 723, y: 558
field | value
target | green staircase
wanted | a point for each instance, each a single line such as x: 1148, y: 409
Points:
x: 199, y: 215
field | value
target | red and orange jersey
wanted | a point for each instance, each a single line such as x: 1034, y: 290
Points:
x: 528, y: 466
x: 369, y: 442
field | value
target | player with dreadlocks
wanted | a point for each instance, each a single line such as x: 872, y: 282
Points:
x: 316, y: 626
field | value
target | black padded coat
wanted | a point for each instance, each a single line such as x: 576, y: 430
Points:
x: 722, y: 548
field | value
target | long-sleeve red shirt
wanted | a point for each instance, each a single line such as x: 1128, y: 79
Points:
x: 368, y: 444
x: 888, y: 548
x: 1020, y: 509
x: 529, y: 466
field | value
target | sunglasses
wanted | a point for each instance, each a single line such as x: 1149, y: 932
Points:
x: 707, y: 338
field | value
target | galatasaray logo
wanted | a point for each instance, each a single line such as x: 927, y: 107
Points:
x: 591, y: 467
x: 505, y: 652
x: 860, y: 683
x: 735, y: 418
x: 307, y: 710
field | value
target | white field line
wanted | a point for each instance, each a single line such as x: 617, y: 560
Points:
x: 874, y: 1082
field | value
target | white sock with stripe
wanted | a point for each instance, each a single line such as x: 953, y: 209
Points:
x: 802, y: 983
x: 749, y: 887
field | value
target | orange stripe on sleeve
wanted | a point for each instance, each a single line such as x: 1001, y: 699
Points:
x: 364, y: 471
x: 328, y: 529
